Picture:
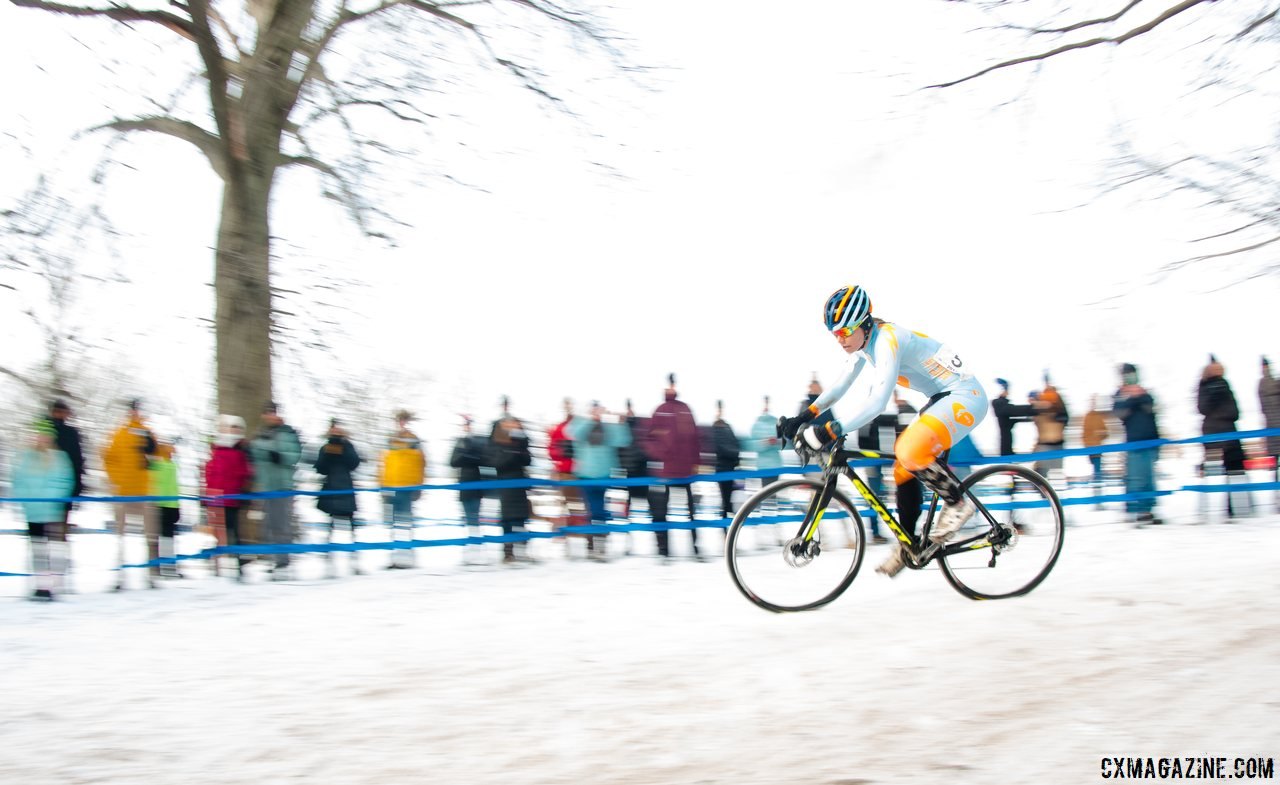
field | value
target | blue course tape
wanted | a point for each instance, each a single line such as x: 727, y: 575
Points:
x: 640, y: 481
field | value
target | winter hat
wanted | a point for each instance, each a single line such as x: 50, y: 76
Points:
x: 228, y: 421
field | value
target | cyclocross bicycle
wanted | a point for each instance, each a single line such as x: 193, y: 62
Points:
x: 797, y: 544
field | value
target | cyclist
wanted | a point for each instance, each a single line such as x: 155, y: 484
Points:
x: 883, y: 355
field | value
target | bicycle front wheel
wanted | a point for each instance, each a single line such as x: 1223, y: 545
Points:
x: 1021, y: 518
x: 775, y: 566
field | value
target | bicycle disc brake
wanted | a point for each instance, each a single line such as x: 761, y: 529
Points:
x: 800, y: 553
x: 1008, y: 539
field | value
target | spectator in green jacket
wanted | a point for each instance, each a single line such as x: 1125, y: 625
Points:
x: 165, y: 513
x: 276, y: 451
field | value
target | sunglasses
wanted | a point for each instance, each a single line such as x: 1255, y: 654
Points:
x: 843, y: 332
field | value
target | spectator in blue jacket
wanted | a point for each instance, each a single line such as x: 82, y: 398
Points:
x: 1136, y: 409
x: 764, y: 442
x: 596, y: 441
x: 276, y: 450
x: 44, y: 472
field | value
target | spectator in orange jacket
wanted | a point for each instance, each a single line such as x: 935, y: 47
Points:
x: 127, y: 460
x: 1094, y: 434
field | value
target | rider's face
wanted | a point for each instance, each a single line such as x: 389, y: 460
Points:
x: 853, y: 341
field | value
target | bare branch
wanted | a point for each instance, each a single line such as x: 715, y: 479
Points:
x: 1256, y: 23
x: 1071, y: 28
x: 1142, y: 29
x: 21, y: 378
x: 1229, y: 232
x: 118, y: 13
x: 1221, y: 254
x: 230, y: 132
x: 204, y: 141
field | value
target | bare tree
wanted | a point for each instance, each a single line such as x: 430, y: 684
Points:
x: 1234, y: 44
x: 277, y: 91
x: 42, y: 273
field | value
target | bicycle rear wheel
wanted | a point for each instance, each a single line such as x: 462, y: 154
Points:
x: 774, y: 567
x: 1022, y: 513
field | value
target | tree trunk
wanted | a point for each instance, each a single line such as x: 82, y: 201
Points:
x: 243, y: 312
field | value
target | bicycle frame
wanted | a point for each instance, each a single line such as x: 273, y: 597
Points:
x: 836, y: 463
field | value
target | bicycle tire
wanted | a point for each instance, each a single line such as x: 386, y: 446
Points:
x: 736, y: 556
x: 1051, y: 526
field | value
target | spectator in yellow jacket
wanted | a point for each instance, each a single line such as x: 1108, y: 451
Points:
x: 404, y: 465
x: 127, y: 460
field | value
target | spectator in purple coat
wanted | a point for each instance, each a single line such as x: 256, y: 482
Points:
x: 672, y: 442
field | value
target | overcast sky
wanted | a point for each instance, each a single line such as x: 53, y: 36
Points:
x: 775, y: 157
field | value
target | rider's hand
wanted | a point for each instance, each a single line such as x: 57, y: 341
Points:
x: 788, y: 427
x: 819, y: 436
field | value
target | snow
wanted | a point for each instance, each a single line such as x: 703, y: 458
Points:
x: 1152, y: 642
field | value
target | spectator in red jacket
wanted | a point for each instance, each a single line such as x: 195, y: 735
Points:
x: 672, y: 441
x: 560, y: 451
x: 228, y: 472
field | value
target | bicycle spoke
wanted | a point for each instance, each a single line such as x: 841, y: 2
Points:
x: 1022, y: 520
x: 781, y: 569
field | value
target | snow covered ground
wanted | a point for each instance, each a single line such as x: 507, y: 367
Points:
x: 1154, y: 642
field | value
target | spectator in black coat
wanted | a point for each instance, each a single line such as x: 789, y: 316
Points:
x: 470, y: 453
x: 336, y: 462
x: 1009, y: 414
x: 1218, y: 405
x: 67, y: 439
x: 510, y: 458
x: 633, y: 459
x: 727, y: 455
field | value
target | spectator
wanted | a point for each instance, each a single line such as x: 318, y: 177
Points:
x: 68, y: 440
x: 1094, y: 434
x: 906, y: 413
x: 815, y: 389
x: 469, y: 455
x: 1051, y: 424
x: 126, y: 460
x: 560, y: 449
x: 1136, y: 409
x: 765, y: 444
x: 1218, y: 405
x: 872, y: 436
x: 635, y: 463
x: 672, y: 442
x: 44, y: 472
x: 228, y: 472
x: 335, y: 462
x: 727, y: 455
x: 1008, y: 414
x: 510, y: 457
x: 404, y: 467
x: 276, y: 451
x: 166, y: 511
x: 596, y: 440
x: 1269, y: 399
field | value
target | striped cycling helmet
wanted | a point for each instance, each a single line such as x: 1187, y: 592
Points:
x: 848, y: 306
